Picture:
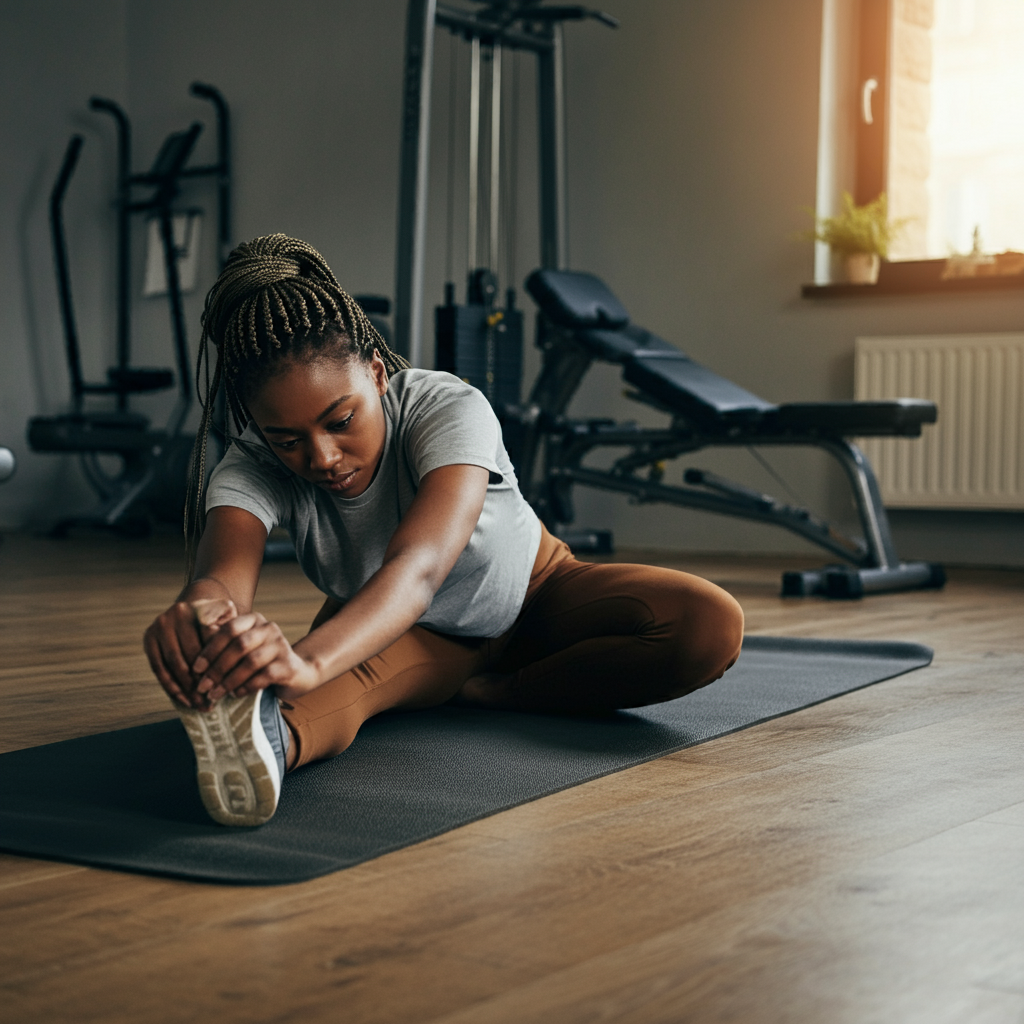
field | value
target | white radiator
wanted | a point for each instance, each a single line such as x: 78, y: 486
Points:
x: 973, y: 458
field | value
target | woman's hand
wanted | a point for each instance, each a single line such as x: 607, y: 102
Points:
x: 246, y: 654
x: 175, y: 639
x: 227, y: 570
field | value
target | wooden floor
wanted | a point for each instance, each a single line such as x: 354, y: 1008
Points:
x: 859, y: 861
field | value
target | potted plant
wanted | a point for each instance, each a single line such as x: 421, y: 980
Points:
x: 861, y: 235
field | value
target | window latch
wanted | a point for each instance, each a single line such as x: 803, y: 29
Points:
x: 865, y: 100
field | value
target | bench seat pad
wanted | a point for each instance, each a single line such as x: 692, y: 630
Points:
x: 899, y: 417
x: 698, y: 394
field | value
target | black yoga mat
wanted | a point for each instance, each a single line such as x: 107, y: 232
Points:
x: 128, y: 799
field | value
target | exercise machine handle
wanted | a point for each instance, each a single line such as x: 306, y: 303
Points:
x: 223, y: 166
x: 115, y: 110
x: 60, y: 257
x: 124, y: 199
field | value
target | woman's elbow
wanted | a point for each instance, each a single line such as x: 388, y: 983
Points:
x: 421, y: 581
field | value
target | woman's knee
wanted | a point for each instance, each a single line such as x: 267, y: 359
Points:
x: 702, y: 642
x: 714, y: 645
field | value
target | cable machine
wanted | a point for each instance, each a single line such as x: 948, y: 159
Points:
x: 479, y: 341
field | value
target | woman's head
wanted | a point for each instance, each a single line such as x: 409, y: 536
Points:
x: 275, y: 306
x: 323, y: 419
x: 275, y: 300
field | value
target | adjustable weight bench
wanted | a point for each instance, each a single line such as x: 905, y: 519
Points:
x: 582, y: 321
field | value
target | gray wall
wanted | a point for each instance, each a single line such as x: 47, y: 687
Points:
x: 314, y: 91
x: 692, y: 153
x: 53, y: 56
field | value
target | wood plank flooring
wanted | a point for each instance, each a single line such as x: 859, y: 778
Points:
x: 859, y: 861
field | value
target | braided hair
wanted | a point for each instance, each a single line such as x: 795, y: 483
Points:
x: 275, y: 299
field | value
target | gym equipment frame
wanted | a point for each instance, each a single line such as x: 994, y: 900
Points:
x: 512, y: 24
x: 154, y: 461
x: 582, y: 321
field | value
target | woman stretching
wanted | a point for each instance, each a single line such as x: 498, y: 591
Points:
x: 403, y: 507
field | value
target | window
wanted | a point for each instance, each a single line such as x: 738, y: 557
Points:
x: 953, y: 159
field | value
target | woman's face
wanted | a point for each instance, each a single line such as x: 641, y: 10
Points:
x: 325, y: 421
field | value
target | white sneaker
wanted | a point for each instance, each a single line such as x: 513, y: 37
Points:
x: 240, y: 746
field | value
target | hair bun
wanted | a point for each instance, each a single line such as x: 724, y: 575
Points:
x: 257, y: 268
x: 274, y: 258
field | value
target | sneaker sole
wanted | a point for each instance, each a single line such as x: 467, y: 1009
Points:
x: 237, y: 784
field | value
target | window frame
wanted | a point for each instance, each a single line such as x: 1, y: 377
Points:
x: 843, y: 78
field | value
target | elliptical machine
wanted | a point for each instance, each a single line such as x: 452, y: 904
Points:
x: 151, y: 481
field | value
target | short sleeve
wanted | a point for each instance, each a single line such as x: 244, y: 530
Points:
x: 238, y: 480
x: 447, y: 422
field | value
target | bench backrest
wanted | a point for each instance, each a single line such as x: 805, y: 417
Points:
x: 585, y: 305
x: 575, y: 300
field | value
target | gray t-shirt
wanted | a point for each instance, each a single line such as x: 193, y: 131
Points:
x: 433, y: 419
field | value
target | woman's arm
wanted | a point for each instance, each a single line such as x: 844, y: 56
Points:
x: 228, y: 564
x: 247, y: 655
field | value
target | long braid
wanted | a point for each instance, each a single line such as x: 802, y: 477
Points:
x: 275, y: 297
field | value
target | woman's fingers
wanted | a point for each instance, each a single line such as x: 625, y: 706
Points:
x: 168, y: 657
x: 234, y: 642
x: 200, y: 640
x: 256, y: 670
x: 203, y: 650
x: 180, y: 640
x: 173, y: 642
x: 212, y: 613
x: 270, y: 665
x: 157, y: 662
x: 221, y: 640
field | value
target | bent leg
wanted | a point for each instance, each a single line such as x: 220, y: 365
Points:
x: 419, y: 670
x: 599, y: 637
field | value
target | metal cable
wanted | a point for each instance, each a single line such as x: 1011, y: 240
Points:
x: 453, y: 74
x: 778, y: 479
x: 512, y: 177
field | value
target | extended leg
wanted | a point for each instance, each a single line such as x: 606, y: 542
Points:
x: 419, y: 670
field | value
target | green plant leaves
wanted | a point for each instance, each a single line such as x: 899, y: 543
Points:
x: 864, y: 228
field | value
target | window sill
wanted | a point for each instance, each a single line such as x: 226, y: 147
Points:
x: 914, y: 277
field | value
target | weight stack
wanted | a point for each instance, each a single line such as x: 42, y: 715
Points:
x: 487, y: 355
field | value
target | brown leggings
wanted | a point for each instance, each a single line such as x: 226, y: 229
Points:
x: 590, y: 638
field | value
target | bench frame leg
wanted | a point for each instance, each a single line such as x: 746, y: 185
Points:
x: 886, y: 573
x: 874, y: 566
